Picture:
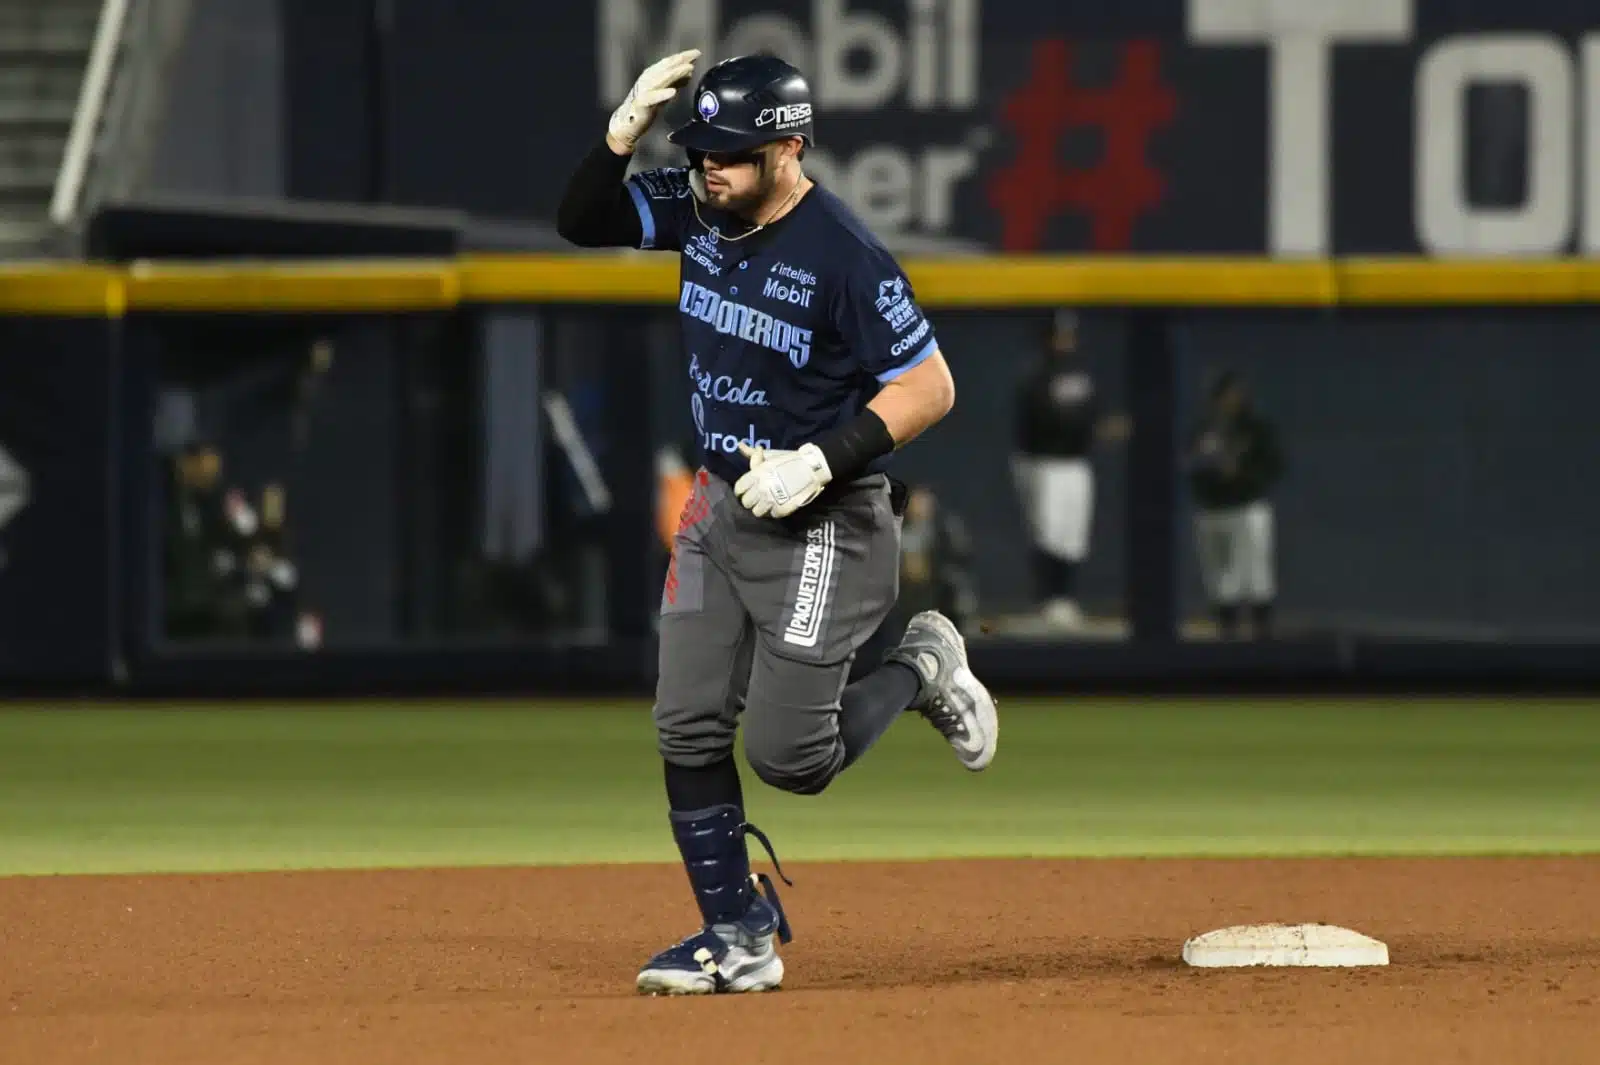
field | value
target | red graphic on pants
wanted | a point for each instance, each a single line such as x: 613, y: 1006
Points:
x: 695, y: 509
x: 1121, y: 187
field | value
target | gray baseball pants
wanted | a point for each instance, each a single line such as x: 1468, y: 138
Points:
x: 761, y: 619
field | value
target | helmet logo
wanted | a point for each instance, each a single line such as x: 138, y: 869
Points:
x: 786, y: 116
x: 707, y: 104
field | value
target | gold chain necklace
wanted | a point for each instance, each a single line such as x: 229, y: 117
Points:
x: 716, y: 234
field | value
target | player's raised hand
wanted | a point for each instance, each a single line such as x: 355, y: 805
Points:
x: 781, y: 482
x: 638, y: 110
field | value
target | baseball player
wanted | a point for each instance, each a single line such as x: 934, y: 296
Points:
x: 1234, y: 463
x: 810, y: 363
x: 1059, y: 421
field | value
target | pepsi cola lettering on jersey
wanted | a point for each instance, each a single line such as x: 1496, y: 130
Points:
x: 788, y: 332
x: 746, y: 323
x: 723, y: 389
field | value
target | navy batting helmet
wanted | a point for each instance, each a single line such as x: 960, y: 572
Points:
x: 745, y: 102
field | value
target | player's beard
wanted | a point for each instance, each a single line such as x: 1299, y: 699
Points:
x: 749, y: 204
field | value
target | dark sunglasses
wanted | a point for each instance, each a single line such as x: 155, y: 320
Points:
x: 741, y: 158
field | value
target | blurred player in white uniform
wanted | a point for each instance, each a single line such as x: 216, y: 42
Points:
x: 1234, y: 463
x: 1059, y: 421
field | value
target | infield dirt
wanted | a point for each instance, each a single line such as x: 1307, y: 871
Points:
x: 1494, y: 960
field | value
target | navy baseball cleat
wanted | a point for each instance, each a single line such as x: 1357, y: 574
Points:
x: 951, y: 698
x: 726, y: 958
x: 736, y: 949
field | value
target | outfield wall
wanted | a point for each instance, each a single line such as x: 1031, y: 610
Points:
x: 1436, y: 525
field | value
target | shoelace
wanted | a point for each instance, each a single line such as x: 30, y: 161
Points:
x: 764, y: 882
x: 944, y: 718
x: 751, y: 830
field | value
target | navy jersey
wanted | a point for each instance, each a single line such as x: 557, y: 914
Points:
x: 1058, y: 409
x: 787, y: 332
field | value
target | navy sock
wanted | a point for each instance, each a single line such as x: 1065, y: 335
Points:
x: 1044, y: 574
x: 870, y: 705
x: 1228, y: 620
x: 1066, y: 578
x: 703, y: 787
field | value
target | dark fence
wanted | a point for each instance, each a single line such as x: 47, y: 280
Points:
x: 436, y: 474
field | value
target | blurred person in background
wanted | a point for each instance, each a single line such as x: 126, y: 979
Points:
x: 271, y: 579
x: 201, y: 596
x: 1234, y: 462
x: 935, y: 562
x: 935, y: 574
x: 1059, y: 420
x: 228, y: 574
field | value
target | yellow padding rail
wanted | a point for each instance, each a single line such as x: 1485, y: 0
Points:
x: 941, y: 283
x: 304, y: 287
x: 75, y: 289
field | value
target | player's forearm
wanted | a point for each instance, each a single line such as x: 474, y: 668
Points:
x: 902, y: 410
x: 596, y: 210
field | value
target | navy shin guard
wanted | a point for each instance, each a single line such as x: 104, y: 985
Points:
x: 712, y: 844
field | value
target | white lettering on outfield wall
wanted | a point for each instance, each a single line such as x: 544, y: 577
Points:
x: 1299, y: 34
x: 1447, y: 224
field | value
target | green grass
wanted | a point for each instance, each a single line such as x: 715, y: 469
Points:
x: 129, y: 789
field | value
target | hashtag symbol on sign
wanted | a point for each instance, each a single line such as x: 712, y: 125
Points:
x: 1114, y: 193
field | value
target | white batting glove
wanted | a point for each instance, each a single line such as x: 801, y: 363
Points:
x: 781, y: 482
x: 638, y: 110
